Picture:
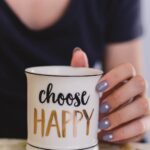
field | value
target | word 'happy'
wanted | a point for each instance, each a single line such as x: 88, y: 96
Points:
x: 74, y: 118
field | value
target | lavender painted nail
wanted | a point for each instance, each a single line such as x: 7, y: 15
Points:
x: 104, y: 107
x: 107, y: 137
x: 102, y: 86
x: 104, y: 124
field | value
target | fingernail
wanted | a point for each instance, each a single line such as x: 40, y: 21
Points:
x: 104, y: 108
x: 102, y: 86
x: 107, y: 137
x: 104, y: 124
x: 76, y: 49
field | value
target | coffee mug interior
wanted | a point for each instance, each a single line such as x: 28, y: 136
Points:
x: 63, y: 71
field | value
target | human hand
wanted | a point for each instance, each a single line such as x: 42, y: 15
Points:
x: 124, y: 109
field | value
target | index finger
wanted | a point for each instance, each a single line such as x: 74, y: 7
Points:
x: 115, y: 76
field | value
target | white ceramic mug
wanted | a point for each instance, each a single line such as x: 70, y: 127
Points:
x: 63, y: 107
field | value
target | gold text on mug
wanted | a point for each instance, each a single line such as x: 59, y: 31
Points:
x: 68, y: 117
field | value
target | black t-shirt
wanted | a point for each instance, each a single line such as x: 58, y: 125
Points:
x: 89, y: 24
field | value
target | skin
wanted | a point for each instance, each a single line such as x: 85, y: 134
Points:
x: 129, y: 121
x: 36, y: 15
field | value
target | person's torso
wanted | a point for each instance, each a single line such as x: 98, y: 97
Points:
x: 82, y: 25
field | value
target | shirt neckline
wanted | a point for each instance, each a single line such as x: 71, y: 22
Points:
x: 22, y: 26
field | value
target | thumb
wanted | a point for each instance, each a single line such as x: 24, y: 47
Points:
x: 79, y: 58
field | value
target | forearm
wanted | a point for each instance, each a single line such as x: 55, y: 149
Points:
x: 127, y: 52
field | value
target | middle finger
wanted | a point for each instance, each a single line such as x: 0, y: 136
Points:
x: 132, y: 88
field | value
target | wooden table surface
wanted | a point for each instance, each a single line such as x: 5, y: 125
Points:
x: 6, y: 144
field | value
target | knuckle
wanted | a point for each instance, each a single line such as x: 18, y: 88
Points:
x: 118, y: 119
x: 119, y: 116
x: 140, y: 127
x: 113, y: 120
x: 119, y: 136
x: 141, y: 82
x: 145, y: 105
x: 113, y: 77
x: 117, y: 97
x: 123, y: 133
x: 130, y: 68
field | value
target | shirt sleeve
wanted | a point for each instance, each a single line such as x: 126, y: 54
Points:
x: 123, y: 20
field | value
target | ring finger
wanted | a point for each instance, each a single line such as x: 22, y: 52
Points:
x: 136, y: 109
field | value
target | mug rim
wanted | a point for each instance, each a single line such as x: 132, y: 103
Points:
x: 95, y: 72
